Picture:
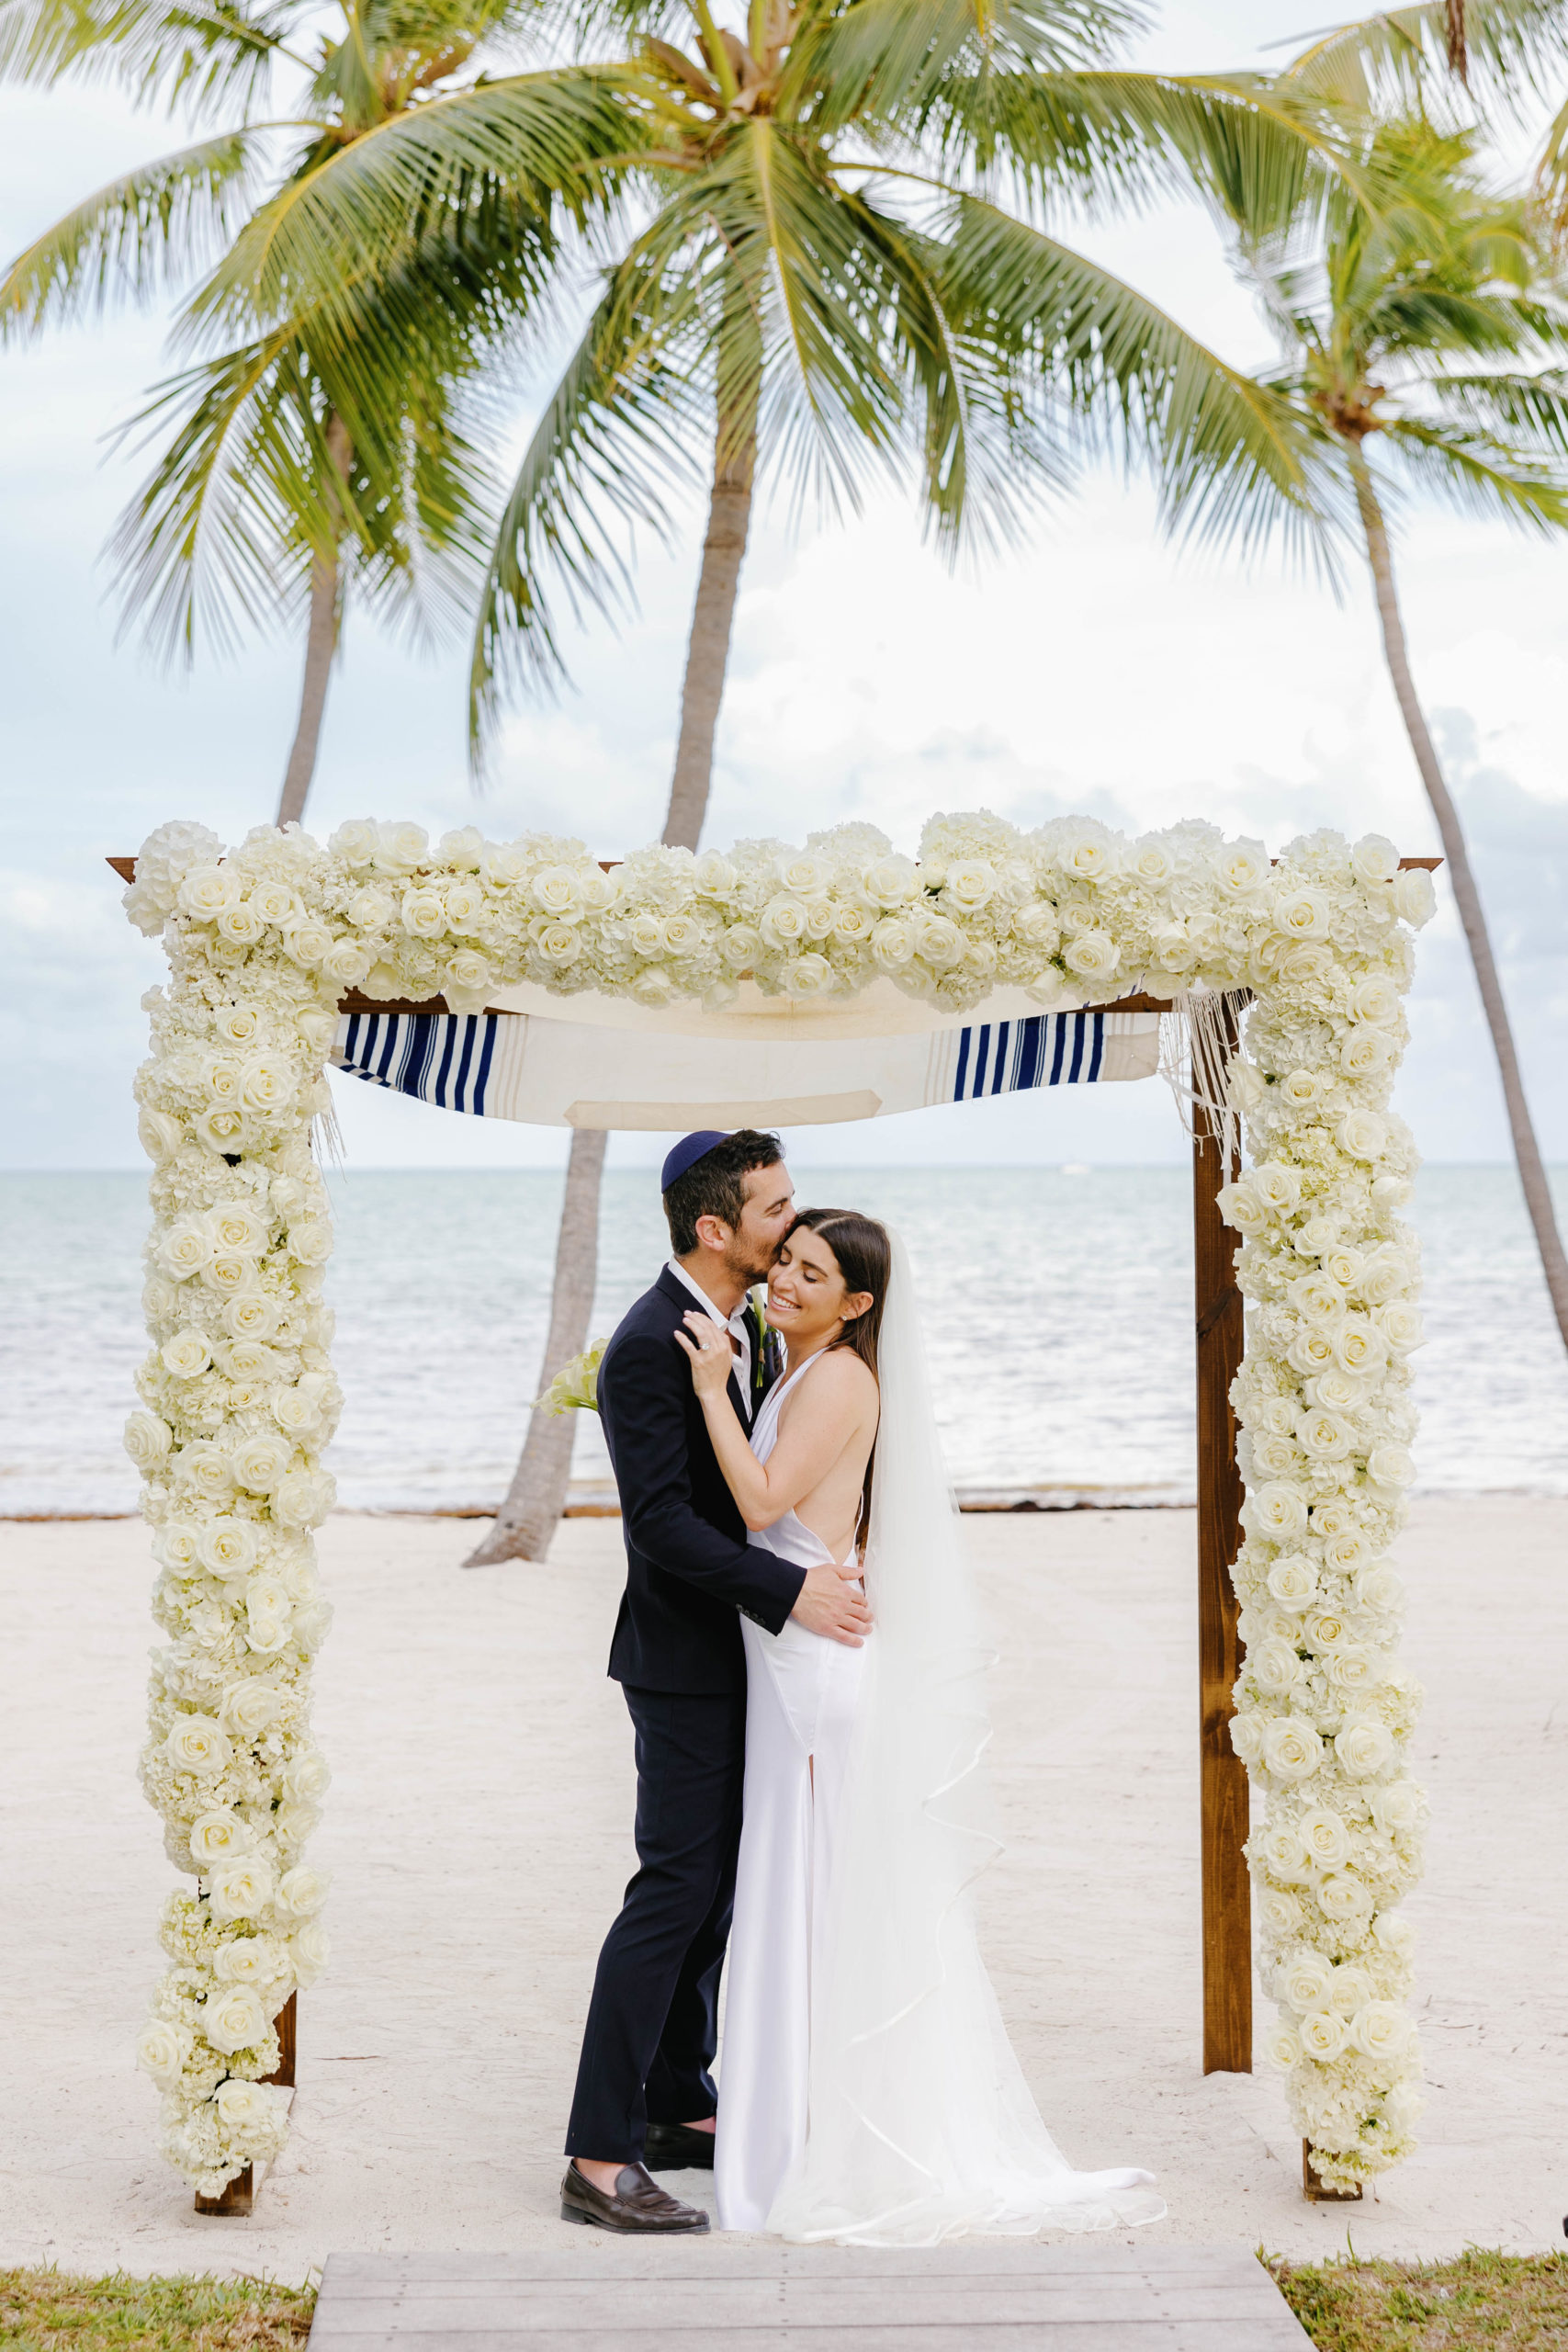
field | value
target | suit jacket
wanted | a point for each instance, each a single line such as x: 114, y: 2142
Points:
x: 689, y: 1567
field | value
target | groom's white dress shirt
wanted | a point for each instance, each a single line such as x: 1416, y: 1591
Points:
x: 739, y: 1327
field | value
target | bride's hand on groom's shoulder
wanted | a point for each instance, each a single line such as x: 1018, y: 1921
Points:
x: 710, y: 1352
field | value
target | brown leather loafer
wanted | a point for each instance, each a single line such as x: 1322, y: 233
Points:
x: 675, y: 2147
x: 638, y: 2208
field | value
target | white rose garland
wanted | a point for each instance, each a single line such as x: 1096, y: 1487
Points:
x: 238, y: 1399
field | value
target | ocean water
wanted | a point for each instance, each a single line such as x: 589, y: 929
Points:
x: 1057, y: 1304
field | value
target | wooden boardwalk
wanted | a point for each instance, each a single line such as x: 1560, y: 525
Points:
x: 996, y: 2295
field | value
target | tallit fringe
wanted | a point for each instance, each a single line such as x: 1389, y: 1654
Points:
x: 1195, y: 1063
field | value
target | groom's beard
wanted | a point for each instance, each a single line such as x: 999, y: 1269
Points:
x: 753, y: 1266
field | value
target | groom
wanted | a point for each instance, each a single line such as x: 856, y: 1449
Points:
x: 644, y: 2088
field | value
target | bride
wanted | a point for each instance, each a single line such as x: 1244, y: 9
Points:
x: 869, y: 2093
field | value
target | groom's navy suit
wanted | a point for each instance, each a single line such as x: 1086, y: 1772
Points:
x: 652, y: 2023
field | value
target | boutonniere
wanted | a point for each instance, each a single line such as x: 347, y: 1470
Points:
x: 765, y: 1351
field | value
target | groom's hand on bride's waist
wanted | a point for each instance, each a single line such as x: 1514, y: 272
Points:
x: 833, y: 1606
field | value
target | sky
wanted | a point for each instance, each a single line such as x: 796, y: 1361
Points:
x: 1095, y: 670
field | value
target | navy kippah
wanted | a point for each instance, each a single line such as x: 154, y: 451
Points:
x: 686, y: 1154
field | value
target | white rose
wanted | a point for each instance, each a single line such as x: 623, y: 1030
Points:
x: 250, y: 1707
x: 682, y: 935
x: 1300, y: 914
x: 227, y: 1546
x: 356, y: 842
x: 1375, y: 999
x: 807, y: 975
x: 1292, y: 1748
x: 1277, y: 1186
x: 1396, y: 1808
x: 1378, y: 1587
x: 971, y: 882
x: 1282, y: 2047
x: 1276, y: 1511
x: 892, y: 943
x: 1300, y: 1087
x: 233, y: 2018
x: 147, y: 1439
x: 1240, y: 868
x: 295, y: 1823
x: 241, y: 1889
x: 158, y: 1135
x: 249, y: 1959
x: 184, y: 1247
x: 1093, y: 955
x: 853, y: 922
x: 803, y: 874
x: 1365, y: 1052
x: 1323, y: 2036
x: 252, y: 1315
x: 267, y: 1082
x: 301, y: 1891
x: 741, y: 946
x: 1355, y: 1668
x: 645, y: 934
x: 468, y: 972
x: 311, y: 1240
x: 1386, y: 1275
x: 1303, y: 1981
x: 1087, y: 857
x: 207, y: 890
x: 783, y: 921
x: 465, y: 904
x: 1323, y: 1436
x: 1279, y: 1911
x: 306, y: 1780
x: 1283, y: 1856
x: 401, y: 849
x: 277, y: 904
x: 424, y: 912
x: 244, y: 2107
x: 1312, y: 1350
x: 1382, y: 2030
x: 1374, y: 859
x: 241, y: 1227
x: 1316, y: 1299
x: 1325, y: 1837
x: 937, y: 940
x: 1363, y: 1134
x: 1150, y: 860
x: 204, y: 1467
x: 555, y: 891
x: 464, y: 847
x: 1338, y: 1392
x: 261, y: 1462
x: 1414, y: 901
x: 308, y: 943
x: 1036, y: 926
x: 1240, y: 1206
x: 1393, y: 1932
x: 1274, y: 1666
x: 241, y: 925
x: 890, y: 881
x: 1293, y: 1581
x: 162, y: 2049
x: 174, y: 1546
x: 219, y: 1836
x: 1343, y: 1899
x: 1360, y: 1347
x: 196, y: 1745
x: 302, y: 1500
x: 713, y: 876
x: 296, y: 1409
x: 309, y: 1951
x: 347, y: 962
x: 221, y: 1130
x: 1391, y: 1466
x: 229, y: 1272
x: 1342, y: 1266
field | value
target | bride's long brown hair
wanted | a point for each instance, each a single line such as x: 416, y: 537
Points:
x: 865, y: 1257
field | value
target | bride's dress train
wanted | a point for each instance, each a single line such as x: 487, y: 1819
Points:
x: 868, y: 2091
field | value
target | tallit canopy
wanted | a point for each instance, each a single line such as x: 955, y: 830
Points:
x: 591, y: 1061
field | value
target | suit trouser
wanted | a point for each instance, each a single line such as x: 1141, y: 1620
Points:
x: 652, y: 2029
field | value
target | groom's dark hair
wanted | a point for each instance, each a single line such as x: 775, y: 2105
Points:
x: 712, y: 1185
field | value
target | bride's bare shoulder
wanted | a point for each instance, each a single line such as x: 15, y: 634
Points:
x: 848, y: 1380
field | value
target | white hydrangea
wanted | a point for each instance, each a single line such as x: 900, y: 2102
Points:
x: 237, y: 1402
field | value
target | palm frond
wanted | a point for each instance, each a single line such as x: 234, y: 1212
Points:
x: 137, y: 237
x: 1480, y: 474
x: 199, y: 53
x: 1513, y: 53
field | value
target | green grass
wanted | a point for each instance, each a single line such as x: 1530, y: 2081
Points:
x: 48, y: 2310
x: 1482, y: 2302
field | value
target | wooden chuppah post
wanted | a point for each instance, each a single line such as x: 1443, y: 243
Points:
x: 1223, y: 1803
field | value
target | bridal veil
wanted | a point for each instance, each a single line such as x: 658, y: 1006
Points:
x: 921, y: 2126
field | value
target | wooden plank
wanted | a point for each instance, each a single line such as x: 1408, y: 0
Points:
x: 593, y: 2255
x: 1223, y: 1799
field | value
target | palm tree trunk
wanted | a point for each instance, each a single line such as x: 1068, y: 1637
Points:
x: 1527, y: 1151
x: 538, y: 1492
x: 320, y: 646
x: 526, y: 1519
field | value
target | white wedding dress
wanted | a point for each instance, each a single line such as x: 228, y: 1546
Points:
x: 868, y: 2092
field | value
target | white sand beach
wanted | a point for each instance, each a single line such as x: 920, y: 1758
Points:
x: 478, y: 1833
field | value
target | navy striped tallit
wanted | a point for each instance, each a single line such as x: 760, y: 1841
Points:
x: 438, y: 1057
x: 1044, y: 1049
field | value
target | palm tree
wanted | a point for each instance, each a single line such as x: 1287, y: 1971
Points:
x: 809, y: 265
x: 1424, y: 345
x: 296, y: 466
